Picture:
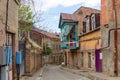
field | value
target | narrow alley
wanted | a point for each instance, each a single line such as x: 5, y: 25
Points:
x: 59, y: 39
x: 53, y: 72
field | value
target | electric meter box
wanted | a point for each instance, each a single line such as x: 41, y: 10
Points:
x: 3, y: 54
x: 9, y: 55
x: 18, y: 57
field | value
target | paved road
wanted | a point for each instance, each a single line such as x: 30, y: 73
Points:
x: 53, y: 72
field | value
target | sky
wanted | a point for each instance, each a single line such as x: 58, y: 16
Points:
x: 51, y: 10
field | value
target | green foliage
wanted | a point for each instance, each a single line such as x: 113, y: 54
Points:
x: 25, y: 16
x: 47, y: 49
x: 25, y: 13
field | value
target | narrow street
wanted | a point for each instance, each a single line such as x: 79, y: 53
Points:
x: 53, y: 72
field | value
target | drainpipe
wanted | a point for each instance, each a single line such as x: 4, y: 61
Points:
x: 115, y: 39
x: 109, y: 38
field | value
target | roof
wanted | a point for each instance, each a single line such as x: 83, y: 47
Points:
x: 69, y: 17
x: 52, y: 35
x: 84, y: 11
x: 48, y: 34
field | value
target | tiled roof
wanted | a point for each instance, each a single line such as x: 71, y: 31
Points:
x: 82, y: 12
x: 69, y: 17
x: 48, y: 34
x: 52, y: 35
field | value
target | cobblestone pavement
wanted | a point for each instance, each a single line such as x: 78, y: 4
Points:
x: 53, y: 72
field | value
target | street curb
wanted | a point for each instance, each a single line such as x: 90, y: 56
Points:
x: 42, y: 70
x: 87, y: 75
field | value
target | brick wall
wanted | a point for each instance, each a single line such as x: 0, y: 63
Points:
x: 12, y: 26
x: 33, y: 59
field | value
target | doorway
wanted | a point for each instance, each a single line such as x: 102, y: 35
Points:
x: 11, y: 50
x: 82, y: 59
x: 89, y: 60
x: 98, y: 60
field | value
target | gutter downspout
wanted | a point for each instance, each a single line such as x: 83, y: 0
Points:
x: 115, y: 40
x: 108, y: 45
x: 7, y: 36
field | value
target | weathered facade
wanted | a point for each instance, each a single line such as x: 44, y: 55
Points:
x: 36, y: 36
x: 74, y: 56
x: 33, y: 52
x: 69, y: 37
x: 52, y: 41
x: 33, y: 57
x: 110, y: 21
x: 9, y: 30
x: 90, y: 42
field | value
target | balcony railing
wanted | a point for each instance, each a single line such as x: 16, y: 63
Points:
x: 69, y: 44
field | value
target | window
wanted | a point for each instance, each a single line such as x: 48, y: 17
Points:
x: 93, y: 24
x: 84, y: 27
x: 97, y: 17
x: 95, y: 21
x: 88, y: 22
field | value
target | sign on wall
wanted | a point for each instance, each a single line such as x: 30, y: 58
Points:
x: 101, y: 56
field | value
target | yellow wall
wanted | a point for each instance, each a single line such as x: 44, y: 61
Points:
x: 90, y: 41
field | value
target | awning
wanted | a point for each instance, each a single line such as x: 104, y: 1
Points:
x: 34, y: 44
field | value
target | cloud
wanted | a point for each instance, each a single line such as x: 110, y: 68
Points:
x: 56, y: 17
x: 47, y: 4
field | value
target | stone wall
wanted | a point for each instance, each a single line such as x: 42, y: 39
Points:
x: 108, y: 22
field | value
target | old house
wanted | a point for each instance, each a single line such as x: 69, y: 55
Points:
x: 36, y: 36
x: 110, y: 21
x: 33, y: 52
x: 90, y: 43
x: 8, y: 36
x: 68, y: 24
x: 72, y: 27
x: 50, y: 40
x: 53, y: 40
x: 33, y: 57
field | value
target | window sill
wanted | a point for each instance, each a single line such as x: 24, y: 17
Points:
x: 90, y: 32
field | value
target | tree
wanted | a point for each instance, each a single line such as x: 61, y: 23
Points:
x: 28, y: 17
x: 25, y: 20
x: 47, y: 49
